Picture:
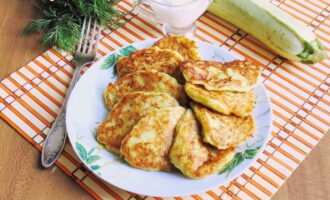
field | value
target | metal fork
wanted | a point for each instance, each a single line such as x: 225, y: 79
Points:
x: 85, y: 53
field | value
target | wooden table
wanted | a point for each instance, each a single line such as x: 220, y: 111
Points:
x: 21, y: 176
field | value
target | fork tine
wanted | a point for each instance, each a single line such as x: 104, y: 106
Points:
x: 93, y: 39
x: 86, y: 35
x: 97, y: 36
x: 81, y: 35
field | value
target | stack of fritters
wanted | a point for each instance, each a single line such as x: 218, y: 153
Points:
x: 145, y: 103
x: 225, y: 100
x: 222, y: 103
x: 148, y: 123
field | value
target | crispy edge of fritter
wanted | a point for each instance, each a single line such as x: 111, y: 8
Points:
x: 183, y: 42
x: 145, y: 124
x: 222, y: 101
x: 190, y: 155
x: 113, y: 89
x: 204, y: 115
x: 102, y: 138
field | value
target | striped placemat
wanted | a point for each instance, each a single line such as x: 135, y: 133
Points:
x: 31, y: 97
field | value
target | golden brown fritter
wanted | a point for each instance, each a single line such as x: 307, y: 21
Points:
x: 127, y: 112
x: 148, y: 144
x: 146, y: 81
x: 239, y: 76
x: 223, y: 131
x: 237, y: 103
x: 162, y: 60
x: 180, y: 43
x: 194, y: 158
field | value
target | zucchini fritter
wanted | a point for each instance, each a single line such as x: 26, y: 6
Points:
x: 223, y: 131
x: 126, y: 113
x: 239, y: 76
x: 148, y: 144
x: 194, y: 158
x: 162, y: 60
x: 146, y: 81
x: 180, y: 43
x: 237, y: 103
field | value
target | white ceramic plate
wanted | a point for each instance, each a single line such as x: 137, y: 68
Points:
x: 86, y: 110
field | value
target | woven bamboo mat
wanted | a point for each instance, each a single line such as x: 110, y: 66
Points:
x: 31, y: 97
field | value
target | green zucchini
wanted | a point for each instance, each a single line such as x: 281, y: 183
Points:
x: 272, y: 26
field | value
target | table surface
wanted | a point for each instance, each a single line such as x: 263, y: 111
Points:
x: 20, y: 171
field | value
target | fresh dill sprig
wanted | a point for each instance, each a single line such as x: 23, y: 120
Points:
x: 60, y: 20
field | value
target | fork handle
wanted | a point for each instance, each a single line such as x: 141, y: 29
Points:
x: 55, y: 140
